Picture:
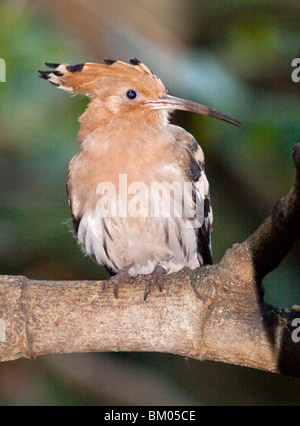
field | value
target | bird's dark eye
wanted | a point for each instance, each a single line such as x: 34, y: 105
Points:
x: 131, y: 94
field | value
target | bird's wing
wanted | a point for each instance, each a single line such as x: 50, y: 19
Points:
x: 195, y: 171
x: 73, y: 203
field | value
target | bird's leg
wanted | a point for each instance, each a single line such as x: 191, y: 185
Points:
x: 114, y: 280
x: 154, y: 278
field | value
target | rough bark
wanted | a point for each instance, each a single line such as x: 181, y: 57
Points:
x: 214, y: 313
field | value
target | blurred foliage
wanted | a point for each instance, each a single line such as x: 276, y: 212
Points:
x: 35, y: 151
x: 235, y: 56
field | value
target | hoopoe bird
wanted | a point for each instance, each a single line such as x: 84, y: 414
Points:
x: 137, y: 190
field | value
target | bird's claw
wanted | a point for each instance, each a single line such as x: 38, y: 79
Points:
x: 115, y: 282
x: 154, y: 278
x: 121, y: 276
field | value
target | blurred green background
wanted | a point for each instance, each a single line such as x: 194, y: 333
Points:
x: 234, y: 56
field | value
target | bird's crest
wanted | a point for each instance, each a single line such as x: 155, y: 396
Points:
x: 83, y: 78
x: 125, y: 90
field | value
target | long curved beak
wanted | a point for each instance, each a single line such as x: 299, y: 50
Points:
x: 172, y: 103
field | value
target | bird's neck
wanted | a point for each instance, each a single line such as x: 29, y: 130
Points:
x: 120, y: 134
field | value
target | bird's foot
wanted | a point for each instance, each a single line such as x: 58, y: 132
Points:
x: 154, y: 278
x: 122, y: 275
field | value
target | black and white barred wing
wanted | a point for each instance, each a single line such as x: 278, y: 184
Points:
x: 204, y: 231
x: 195, y: 171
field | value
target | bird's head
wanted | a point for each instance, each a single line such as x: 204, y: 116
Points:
x: 120, y: 90
x: 126, y: 89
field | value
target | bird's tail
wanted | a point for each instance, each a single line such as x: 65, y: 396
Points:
x: 79, y: 78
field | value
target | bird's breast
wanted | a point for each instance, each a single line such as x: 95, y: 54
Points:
x: 131, y: 196
x: 123, y: 167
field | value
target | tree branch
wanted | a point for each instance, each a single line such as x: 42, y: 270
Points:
x: 214, y: 313
x: 273, y: 240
